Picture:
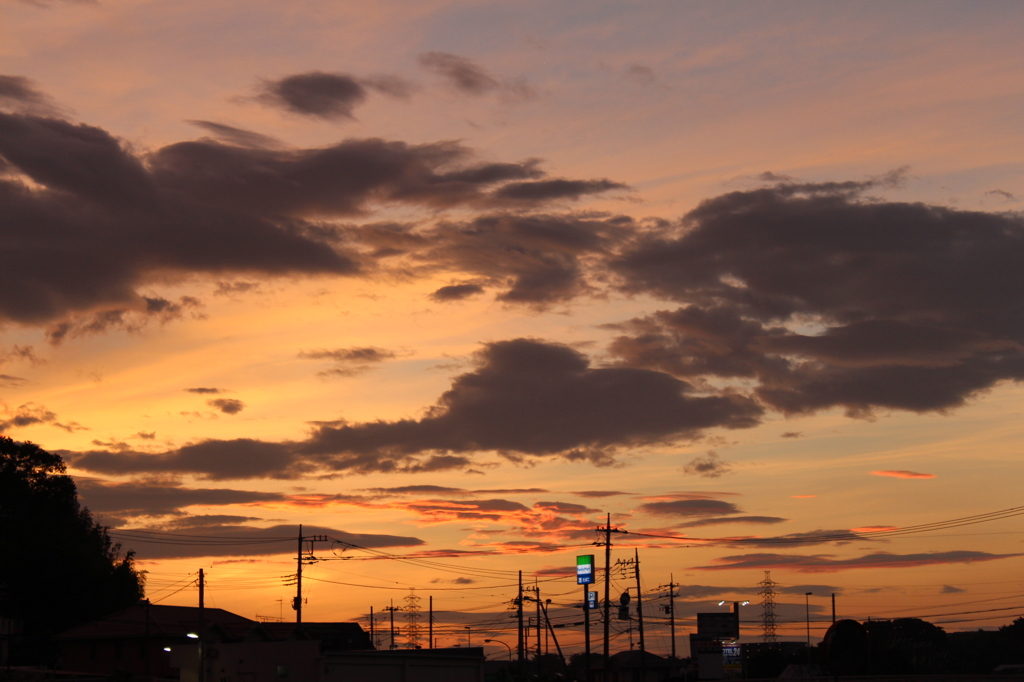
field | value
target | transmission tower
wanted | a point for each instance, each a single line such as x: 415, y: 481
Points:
x: 768, y: 608
x: 412, y: 619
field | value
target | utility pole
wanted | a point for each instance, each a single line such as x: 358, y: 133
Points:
x: 536, y: 594
x: 299, y: 560
x: 625, y: 566
x: 640, y: 616
x: 671, y: 608
x: 202, y: 626
x: 639, y: 606
x: 373, y: 634
x: 607, y: 530
x: 547, y: 619
x: 392, y: 609
x: 430, y: 624
x: 297, y: 601
x: 586, y: 631
x: 519, y: 613
x: 833, y: 608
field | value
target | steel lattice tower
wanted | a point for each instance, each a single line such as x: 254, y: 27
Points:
x: 412, y: 618
x: 768, y: 608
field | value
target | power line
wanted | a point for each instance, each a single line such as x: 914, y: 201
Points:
x: 830, y: 537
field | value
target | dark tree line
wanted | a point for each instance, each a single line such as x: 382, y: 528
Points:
x: 911, y: 646
x: 58, y: 567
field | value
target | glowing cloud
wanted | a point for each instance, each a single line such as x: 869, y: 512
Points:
x: 901, y: 473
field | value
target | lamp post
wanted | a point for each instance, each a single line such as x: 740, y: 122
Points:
x: 469, y: 636
x: 807, y: 610
x: 498, y: 641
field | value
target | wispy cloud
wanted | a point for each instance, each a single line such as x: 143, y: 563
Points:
x: 902, y: 473
x: 825, y: 563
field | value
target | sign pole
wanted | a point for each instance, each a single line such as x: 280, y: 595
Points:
x: 585, y: 577
x: 586, y: 630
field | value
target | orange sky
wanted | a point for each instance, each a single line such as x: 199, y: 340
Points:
x: 457, y: 279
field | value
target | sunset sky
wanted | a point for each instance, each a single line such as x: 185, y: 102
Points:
x: 456, y: 279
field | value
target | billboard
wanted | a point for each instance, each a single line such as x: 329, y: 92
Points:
x: 585, y: 569
x: 718, y: 625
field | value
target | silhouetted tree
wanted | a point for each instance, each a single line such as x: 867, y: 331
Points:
x: 58, y: 567
x: 906, y: 646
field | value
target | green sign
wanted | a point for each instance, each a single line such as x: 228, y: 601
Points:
x: 585, y: 569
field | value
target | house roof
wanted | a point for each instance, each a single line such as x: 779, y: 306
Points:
x: 633, y: 658
x: 157, y: 620
x: 332, y: 636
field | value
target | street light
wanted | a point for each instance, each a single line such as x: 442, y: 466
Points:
x: 807, y: 609
x: 469, y: 636
x: 498, y: 641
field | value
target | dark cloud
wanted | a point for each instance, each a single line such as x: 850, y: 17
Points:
x: 102, y: 225
x: 207, y: 520
x: 839, y: 536
x: 327, y: 96
x: 227, y: 405
x: 804, y: 589
x: 535, y: 398
x: 396, y: 86
x: 448, y: 511
x: 704, y: 591
x: 456, y: 292
x: 11, y: 380
x: 536, y: 259
x: 238, y: 136
x: 828, y: 564
x: 130, y: 320
x: 421, y: 490
x: 565, y: 507
x: 222, y: 459
x: 510, y: 491
x: 545, y: 190
x: 598, y: 493
x: 242, y: 540
x: 89, y: 221
x: 949, y: 589
x: 21, y: 353
x: 460, y: 72
x: 364, y: 354
x: 1002, y: 193
x: 644, y: 75
x: 232, y: 288
x: 708, y: 466
x: 30, y: 414
x: 149, y: 498
x: 20, y: 94
x: 349, y: 361
x: 205, y: 391
x: 732, y: 519
x: 919, y: 307
x: 791, y: 434
x: 317, y: 94
x: 689, y: 508
x: 526, y: 398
